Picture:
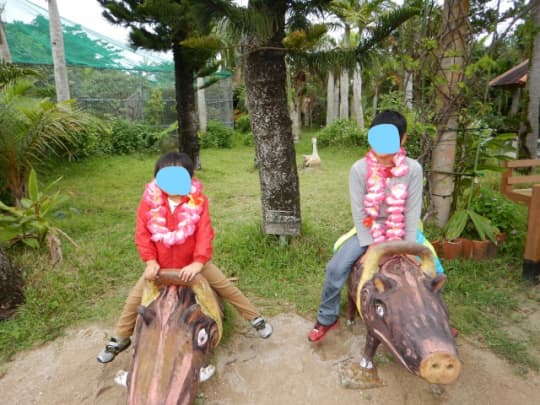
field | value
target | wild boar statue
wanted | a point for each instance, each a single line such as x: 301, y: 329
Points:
x: 399, y: 300
x: 177, y: 329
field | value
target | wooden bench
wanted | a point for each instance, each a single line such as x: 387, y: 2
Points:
x: 525, y: 189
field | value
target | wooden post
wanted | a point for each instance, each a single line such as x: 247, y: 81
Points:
x: 532, y: 246
x: 529, y: 196
x: 531, y: 263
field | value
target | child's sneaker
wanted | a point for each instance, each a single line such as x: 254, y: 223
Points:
x: 319, y: 331
x: 263, y: 328
x: 114, y: 347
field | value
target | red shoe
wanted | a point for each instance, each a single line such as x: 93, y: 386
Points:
x: 319, y: 331
x: 454, y: 331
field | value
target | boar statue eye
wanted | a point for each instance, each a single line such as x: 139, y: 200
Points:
x: 379, y: 309
x: 202, y: 337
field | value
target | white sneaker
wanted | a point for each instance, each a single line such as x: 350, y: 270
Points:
x: 206, y: 372
x: 263, y: 328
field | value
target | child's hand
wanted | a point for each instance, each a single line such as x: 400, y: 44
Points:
x: 151, y: 271
x: 191, y: 270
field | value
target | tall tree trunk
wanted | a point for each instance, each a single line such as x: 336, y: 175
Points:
x: 408, y: 89
x: 307, y: 112
x: 185, y: 106
x: 344, y: 95
x: 295, y: 113
x: 336, y: 99
x: 201, y: 105
x: 330, y: 87
x: 58, y: 56
x: 11, y: 286
x: 375, y: 101
x: 516, y: 98
x: 5, y: 56
x: 533, y: 84
x: 454, y: 37
x: 294, y: 107
x: 357, y: 98
x: 266, y: 82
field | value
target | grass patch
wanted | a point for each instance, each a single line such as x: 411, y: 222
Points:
x: 94, y: 279
x: 482, y: 297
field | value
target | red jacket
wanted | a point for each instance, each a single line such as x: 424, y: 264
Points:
x: 196, y: 248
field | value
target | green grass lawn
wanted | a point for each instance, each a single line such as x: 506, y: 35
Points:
x: 94, y: 279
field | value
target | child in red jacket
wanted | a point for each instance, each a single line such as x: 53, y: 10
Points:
x: 174, y: 231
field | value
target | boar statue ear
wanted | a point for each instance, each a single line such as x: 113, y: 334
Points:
x: 438, y: 282
x: 382, y: 283
x: 146, y: 313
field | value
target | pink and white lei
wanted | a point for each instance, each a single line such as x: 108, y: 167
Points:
x: 188, y: 214
x: 377, y: 179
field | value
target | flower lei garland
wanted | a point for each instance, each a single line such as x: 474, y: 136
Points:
x: 377, y: 179
x: 188, y: 214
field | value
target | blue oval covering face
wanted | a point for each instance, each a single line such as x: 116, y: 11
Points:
x: 174, y: 180
x: 384, y: 139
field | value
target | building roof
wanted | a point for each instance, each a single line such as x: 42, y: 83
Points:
x: 515, y: 77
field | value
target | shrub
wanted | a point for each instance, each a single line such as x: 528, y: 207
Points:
x: 509, y: 217
x: 245, y: 139
x: 127, y: 137
x: 341, y: 133
x: 217, y: 135
x: 243, y: 124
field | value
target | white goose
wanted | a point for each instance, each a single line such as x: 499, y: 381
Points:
x: 313, y: 160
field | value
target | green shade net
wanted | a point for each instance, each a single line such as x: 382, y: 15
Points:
x: 106, y: 76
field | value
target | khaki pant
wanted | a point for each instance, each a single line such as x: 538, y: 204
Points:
x: 217, y: 280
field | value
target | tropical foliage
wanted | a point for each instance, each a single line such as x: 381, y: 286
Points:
x: 33, y: 221
x: 32, y: 130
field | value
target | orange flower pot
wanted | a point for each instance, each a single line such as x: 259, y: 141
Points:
x: 452, y: 249
x: 467, y: 248
x: 480, y: 249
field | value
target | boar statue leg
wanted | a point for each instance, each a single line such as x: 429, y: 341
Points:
x: 364, y: 375
x: 369, y: 351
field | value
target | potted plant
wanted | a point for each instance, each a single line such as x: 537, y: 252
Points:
x: 466, y: 223
x: 509, y: 217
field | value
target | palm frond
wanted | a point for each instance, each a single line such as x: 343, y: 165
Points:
x: 333, y: 60
x: 385, y: 25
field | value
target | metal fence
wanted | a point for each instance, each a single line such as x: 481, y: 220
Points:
x: 131, y: 94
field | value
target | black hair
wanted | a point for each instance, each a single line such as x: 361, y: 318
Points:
x: 174, y: 159
x: 391, y: 117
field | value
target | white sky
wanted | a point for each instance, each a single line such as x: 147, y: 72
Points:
x: 84, y: 12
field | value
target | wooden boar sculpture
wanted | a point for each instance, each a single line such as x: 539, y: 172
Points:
x: 400, y: 303
x: 175, y: 333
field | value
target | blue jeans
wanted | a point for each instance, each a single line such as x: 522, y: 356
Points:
x: 337, y: 272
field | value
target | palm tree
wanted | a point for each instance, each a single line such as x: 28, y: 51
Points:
x: 453, y: 53
x: 31, y: 128
x: 360, y: 16
x: 58, y: 53
x: 263, y: 25
x: 265, y: 76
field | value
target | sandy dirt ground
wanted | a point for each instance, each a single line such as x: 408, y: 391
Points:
x: 285, y: 369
